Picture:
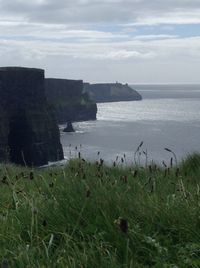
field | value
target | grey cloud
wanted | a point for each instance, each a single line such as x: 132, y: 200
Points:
x: 93, y: 11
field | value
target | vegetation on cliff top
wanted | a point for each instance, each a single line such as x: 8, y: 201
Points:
x: 91, y: 215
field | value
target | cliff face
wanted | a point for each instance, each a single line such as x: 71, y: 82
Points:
x: 3, y: 135
x: 69, y: 101
x: 111, y: 92
x: 29, y: 133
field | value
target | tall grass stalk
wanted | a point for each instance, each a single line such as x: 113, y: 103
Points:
x: 91, y: 215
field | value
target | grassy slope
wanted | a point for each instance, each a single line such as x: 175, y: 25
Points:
x: 70, y: 217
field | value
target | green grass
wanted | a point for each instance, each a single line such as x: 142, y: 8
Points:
x: 73, y: 216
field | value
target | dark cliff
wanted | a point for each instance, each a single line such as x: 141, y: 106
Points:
x: 69, y: 101
x: 29, y: 133
x: 110, y: 92
x: 3, y: 134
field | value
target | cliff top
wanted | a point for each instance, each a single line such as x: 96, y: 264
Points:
x: 18, y: 68
x: 63, y: 80
x: 109, y: 84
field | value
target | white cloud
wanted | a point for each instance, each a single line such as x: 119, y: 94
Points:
x: 155, y: 36
x: 139, y: 47
x: 177, y: 18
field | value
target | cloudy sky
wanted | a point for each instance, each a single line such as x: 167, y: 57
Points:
x: 134, y: 41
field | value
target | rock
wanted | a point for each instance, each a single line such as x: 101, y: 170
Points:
x: 29, y: 134
x: 69, y: 101
x: 69, y: 127
x: 110, y: 92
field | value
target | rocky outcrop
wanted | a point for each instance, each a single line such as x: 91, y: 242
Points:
x: 69, y: 127
x: 69, y: 101
x: 29, y: 134
x: 111, y: 92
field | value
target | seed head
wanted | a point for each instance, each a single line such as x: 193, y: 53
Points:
x: 31, y: 175
x: 122, y: 224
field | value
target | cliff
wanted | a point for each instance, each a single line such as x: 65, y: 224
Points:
x: 111, y: 92
x: 29, y: 133
x: 69, y: 101
x: 3, y: 135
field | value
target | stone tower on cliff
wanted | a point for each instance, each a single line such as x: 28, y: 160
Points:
x: 29, y: 133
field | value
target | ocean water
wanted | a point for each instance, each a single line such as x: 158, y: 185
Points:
x: 167, y: 117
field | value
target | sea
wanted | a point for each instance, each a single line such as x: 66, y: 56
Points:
x: 139, y: 132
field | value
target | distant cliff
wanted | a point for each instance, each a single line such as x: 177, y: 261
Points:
x: 69, y: 101
x: 29, y: 133
x: 110, y: 92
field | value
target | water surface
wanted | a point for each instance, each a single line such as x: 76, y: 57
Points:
x: 168, y: 116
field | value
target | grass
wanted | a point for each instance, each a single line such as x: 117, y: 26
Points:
x: 90, y: 215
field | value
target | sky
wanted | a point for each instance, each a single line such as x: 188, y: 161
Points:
x: 129, y: 41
